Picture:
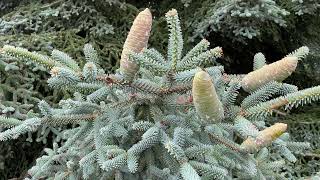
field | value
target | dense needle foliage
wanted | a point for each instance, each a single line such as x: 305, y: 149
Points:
x: 164, y: 117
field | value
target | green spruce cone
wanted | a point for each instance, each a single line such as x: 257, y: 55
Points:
x: 205, y: 98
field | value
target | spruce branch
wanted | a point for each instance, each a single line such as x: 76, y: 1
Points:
x: 114, y: 163
x: 231, y: 94
x: 209, y: 171
x: 188, y: 172
x: 28, y: 125
x: 65, y: 59
x: 8, y: 122
x: 89, y: 72
x: 69, y: 119
x: 175, y: 44
x: 261, y: 94
x: 227, y: 143
x: 151, y: 64
x: 187, y: 75
x: 203, y: 58
x: 144, y: 85
x: 258, y: 61
x: 154, y: 55
x: 300, y: 53
x: 80, y: 133
x: 66, y: 76
x: 196, y: 51
x: 25, y: 55
x: 245, y: 128
x: 175, y: 151
x: 91, y: 54
x: 288, y: 101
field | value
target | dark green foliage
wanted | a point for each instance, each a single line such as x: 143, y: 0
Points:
x: 304, y: 126
x: 241, y: 20
x: 17, y: 156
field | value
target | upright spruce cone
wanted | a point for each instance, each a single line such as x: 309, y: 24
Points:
x: 265, y: 137
x: 205, y: 98
x: 277, y: 71
x: 137, y: 39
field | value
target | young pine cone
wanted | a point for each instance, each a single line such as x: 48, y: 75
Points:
x: 137, y: 39
x: 265, y: 137
x: 205, y: 98
x: 277, y: 71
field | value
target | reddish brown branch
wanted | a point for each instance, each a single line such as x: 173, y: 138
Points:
x: 113, y: 79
